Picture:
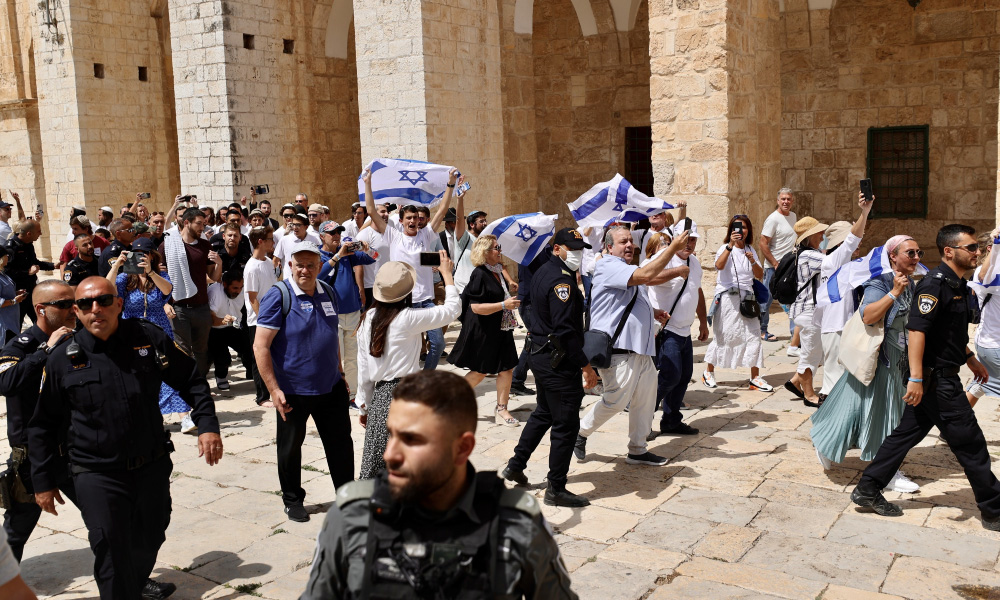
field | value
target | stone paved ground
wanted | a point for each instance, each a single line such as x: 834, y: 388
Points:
x: 743, y: 510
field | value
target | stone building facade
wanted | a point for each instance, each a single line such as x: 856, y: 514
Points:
x: 717, y: 102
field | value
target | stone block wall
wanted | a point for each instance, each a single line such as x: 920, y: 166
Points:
x: 518, y: 89
x: 880, y: 63
x: 587, y: 90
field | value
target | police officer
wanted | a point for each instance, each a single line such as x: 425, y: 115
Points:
x: 556, y: 359
x: 24, y: 264
x: 938, y: 347
x: 21, y: 365
x: 98, y: 406
x: 430, y: 526
x: 84, y: 265
x: 124, y: 234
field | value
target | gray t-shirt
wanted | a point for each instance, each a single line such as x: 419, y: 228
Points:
x: 781, y: 230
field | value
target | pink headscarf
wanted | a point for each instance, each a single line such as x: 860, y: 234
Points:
x: 894, y: 241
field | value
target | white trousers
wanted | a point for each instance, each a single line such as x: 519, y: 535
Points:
x: 810, y: 346
x: 832, y: 368
x: 630, y: 378
x: 347, y: 324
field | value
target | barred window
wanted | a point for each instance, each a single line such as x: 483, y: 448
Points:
x: 898, y: 166
x: 639, y: 158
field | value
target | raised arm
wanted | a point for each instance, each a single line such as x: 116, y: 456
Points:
x: 643, y: 275
x: 858, y: 229
x: 377, y: 222
x: 442, y: 208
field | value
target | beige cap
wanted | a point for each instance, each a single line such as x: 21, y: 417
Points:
x: 837, y: 233
x: 394, y: 281
x: 317, y: 208
x: 807, y: 226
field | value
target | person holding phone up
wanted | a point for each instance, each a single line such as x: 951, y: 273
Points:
x: 10, y: 300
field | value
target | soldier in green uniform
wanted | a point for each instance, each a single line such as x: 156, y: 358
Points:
x: 431, y: 526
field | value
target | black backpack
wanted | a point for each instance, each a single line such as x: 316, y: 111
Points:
x: 785, y: 283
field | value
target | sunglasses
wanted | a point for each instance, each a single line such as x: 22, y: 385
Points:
x: 60, y: 304
x: 971, y: 248
x: 914, y: 253
x: 157, y: 214
x: 497, y: 247
x: 296, y: 225
x: 87, y: 304
x: 288, y: 215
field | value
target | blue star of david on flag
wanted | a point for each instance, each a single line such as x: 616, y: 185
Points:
x: 411, y: 178
x: 620, y: 204
x: 525, y: 232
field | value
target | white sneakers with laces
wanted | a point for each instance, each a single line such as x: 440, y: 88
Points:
x: 708, y: 379
x: 902, y: 484
x: 758, y: 383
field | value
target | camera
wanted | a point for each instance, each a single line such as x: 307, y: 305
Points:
x: 145, y: 195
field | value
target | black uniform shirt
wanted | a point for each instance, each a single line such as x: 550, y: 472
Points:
x: 940, y: 309
x: 78, y: 269
x: 243, y: 253
x: 109, y: 255
x: 557, y: 307
x: 525, y: 273
x: 109, y: 397
x: 22, y: 258
x: 21, y: 365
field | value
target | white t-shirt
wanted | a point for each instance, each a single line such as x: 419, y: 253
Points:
x: 279, y: 233
x: 662, y: 296
x: 641, y: 237
x: 407, y: 248
x: 245, y: 229
x: 781, y: 231
x: 222, y: 305
x: 595, y: 239
x: 376, y: 250
x: 739, y: 263
x: 463, y: 272
x: 285, y: 248
x: 988, y: 332
x: 833, y: 317
x: 258, y: 276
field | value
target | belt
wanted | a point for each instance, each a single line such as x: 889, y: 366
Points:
x: 946, y: 372
x: 183, y: 304
x: 130, y: 464
x: 619, y: 351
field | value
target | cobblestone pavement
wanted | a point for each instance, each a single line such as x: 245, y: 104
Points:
x: 742, y: 510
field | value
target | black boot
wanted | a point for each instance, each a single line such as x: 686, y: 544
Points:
x: 559, y: 496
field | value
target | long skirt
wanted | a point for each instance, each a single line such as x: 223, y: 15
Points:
x: 376, y: 435
x: 736, y: 343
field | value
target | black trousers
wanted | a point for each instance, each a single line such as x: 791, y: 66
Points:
x: 20, y: 520
x: 127, y: 513
x: 521, y: 370
x: 258, y: 382
x: 369, y: 298
x: 220, y: 340
x: 332, y: 417
x: 559, y: 396
x: 945, y: 406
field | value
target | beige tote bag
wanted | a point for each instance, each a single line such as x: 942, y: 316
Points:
x: 859, y: 344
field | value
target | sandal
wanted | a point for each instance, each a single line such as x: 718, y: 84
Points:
x: 511, y: 422
x: 769, y: 337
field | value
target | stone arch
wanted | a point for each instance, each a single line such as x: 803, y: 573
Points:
x: 338, y: 28
x: 524, y: 16
x: 625, y: 13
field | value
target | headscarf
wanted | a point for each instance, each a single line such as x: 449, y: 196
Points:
x: 891, y: 244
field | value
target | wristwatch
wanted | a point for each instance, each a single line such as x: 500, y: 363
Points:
x: 44, y: 347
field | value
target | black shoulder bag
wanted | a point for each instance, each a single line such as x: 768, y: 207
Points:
x: 748, y: 305
x: 598, y: 345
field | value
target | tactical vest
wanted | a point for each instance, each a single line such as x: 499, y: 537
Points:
x: 463, y: 568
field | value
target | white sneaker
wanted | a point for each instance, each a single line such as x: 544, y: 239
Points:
x: 708, y: 379
x: 187, y: 424
x: 758, y: 383
x: 976, y: 390
x: 902, y: 484
x: 824, y: 462
x: 792, y: 351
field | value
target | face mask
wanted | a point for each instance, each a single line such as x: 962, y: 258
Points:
x: 573, y: 260
x: 823, y: 245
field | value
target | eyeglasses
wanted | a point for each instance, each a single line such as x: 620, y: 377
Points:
x: 295, y: 225
x: 497, y: 247
x: 970, y: 248
x: 60, y: 304
x: 87, y: 304
x: 914, y: 253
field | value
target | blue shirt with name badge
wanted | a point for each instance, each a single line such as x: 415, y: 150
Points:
x: 610, y: 297
x: 304, y: 351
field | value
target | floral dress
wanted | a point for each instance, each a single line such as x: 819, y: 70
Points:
x: 149, y: 306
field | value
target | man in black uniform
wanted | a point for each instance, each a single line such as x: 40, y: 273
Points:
x: 99, y: 402
x: 431, y: 527
x: 556, y: 360
x: 232, y: 246
x: 524, y: 275
x: 121, y: 230
x: 938, y: 347
x: 21, y: 365
x: 24, y: 265
x: 85, y: 263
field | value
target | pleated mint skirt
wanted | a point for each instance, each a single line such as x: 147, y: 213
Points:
x: 862, y: 416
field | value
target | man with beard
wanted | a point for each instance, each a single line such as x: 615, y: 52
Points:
x: 938, y: 346
x: 226, y: 300
x: 231, y: 245
x: 85, y: 263
x: 475, y: 224
x: 430, y: 526
x: 124, y: 234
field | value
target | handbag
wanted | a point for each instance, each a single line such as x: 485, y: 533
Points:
x: 859, y: 345
x: 599, y: 346
x: 749, y: 307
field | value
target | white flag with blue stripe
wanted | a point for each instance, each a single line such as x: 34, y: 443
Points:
x: 614, y: 201
x: 403, y: 182
x: 841, y: 284
x: 521, y: 237
x: 991, y: 278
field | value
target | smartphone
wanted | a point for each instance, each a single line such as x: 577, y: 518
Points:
x: 145, y: 195
x: 866, y: 189
x: 260, y: 190
x: 738, y: 227
x: 186, y: 198
x: 131, y: 266
x: 687, y: 224
x: 460, y: 190
x: 430, y: 259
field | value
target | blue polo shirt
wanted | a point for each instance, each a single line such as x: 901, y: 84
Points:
x: 304, y: 351
x: 342, y: 280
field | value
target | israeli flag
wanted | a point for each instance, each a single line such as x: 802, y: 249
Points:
x: 521, y: 237
x: 614, y: 201
x: 991, y: 279
x: 841, y: 284
x: 403, y: 182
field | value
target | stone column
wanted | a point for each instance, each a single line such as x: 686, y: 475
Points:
x: 429, y: 88
x: 716, y: 109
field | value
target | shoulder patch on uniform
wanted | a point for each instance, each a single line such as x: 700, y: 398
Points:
x: 354, y: 491
x: 562, y: 291
x: 67, y: 276
x: 926, y: 303
x: 8, y: 362
x: 520, y: 500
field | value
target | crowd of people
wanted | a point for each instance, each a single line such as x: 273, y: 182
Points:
x: 327, y: 318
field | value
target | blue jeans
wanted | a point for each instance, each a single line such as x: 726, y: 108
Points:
x: 675, y: 363
x: 765, y: 316
x: 588, y: 283
x: 990, y: 357
x: 435, y: 338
